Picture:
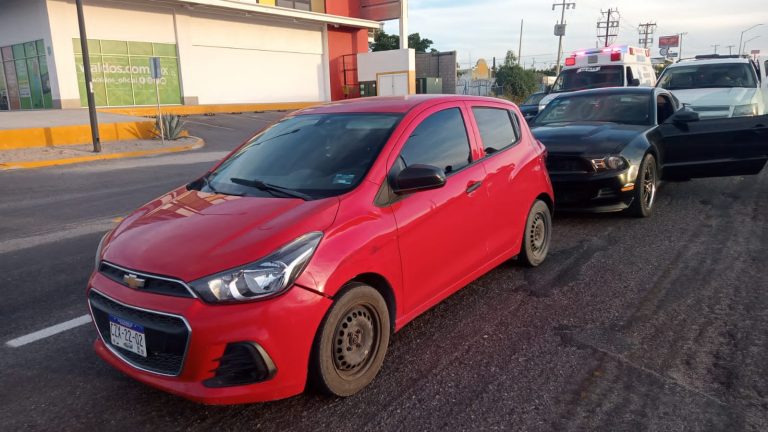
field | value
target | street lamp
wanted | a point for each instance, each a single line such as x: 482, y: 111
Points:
x: 748, y: 41
x: 741, y: 49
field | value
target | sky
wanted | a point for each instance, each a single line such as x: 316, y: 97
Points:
x: 488, y: 28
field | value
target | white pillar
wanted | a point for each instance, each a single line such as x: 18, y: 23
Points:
x: 403, y: 24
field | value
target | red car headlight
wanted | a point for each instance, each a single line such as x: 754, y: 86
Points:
x: 264, y: 278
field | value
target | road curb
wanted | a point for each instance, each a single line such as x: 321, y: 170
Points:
x: 199, y: 143
x: 13, y: 139
x: 185, y: 110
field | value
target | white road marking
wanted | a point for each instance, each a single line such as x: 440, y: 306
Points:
x: 208, y: 124
x: 62, y: 233
x: 48, y: 331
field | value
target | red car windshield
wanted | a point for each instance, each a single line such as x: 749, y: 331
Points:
x: 306, y: 156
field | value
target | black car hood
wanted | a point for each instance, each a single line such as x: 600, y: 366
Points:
x: 587, y: 138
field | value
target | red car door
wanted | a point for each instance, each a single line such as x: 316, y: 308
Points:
x: 511, y: 174
x: 439, y: 243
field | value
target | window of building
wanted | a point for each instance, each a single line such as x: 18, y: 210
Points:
x: 24, y: 80
x: 497, y: 128
x: 440, y: 140
x: 295, y: 4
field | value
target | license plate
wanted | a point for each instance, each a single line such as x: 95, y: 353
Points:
x: 127, y: 335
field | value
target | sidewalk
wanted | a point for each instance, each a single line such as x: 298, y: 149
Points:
x: 64, y: 155
x: 48, y: 128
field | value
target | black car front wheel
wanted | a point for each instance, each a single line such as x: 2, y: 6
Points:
x: 646, y: 185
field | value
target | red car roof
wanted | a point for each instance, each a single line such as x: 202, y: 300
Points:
x: 389, y: 104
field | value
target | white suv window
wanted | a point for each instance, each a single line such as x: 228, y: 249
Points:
x: 710, y: 75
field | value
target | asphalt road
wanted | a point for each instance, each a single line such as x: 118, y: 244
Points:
x: 656, y: 324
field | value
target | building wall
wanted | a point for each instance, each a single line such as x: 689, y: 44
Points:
x: 223, y: 58
x: 104, y: 20
x: 342, y: 42
x: 27, y: 21
x: 442, y: 65
x: 251, y: 61
x: 348, y: 8
x: 371, y: 65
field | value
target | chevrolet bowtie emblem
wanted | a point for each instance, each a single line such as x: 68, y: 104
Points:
x: 133, y: 281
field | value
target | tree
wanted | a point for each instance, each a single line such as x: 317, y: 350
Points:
x: 383, y: 41
x: 516, y: 83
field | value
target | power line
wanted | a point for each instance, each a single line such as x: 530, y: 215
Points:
x: 715, y: 47
x: 608, y: 30
x: 646, y: 30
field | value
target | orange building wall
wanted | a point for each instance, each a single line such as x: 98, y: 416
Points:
x: 343, y: 41
x: 348, y: 8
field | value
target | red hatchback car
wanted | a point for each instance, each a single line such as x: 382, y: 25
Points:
x: 295, y: 258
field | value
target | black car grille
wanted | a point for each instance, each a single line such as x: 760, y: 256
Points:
x: 567, y: 164
x: 166, y: 336
x: 151, y: 283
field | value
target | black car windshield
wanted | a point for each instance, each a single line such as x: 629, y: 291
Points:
x: 604, y: 107
x: 307, y: 156
x: 589, y: 77
x: 534, y: 99
x: 708, y: 76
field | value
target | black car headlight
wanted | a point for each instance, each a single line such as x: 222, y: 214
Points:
x: 264, y: 278
x: 609, y: 163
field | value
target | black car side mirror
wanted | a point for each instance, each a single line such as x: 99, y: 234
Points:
x: 417, y: 178
x: 634, y: 83
x: 684, y: 117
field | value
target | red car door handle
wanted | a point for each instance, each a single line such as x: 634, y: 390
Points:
x: 473, y: 186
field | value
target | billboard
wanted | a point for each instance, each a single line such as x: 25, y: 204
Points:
x: 122, y: 75
x: 380, y: 10
x: 669, y: 41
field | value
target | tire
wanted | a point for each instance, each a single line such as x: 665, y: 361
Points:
x: 537, y: 235
x: 646, y: 185
x: 351, y: 342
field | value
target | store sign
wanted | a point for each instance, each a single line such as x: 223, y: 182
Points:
x: 669, y: 41
x: 380, y: 10
x: 122, y: 75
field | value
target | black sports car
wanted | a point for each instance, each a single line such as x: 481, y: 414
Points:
x: 608, y: 148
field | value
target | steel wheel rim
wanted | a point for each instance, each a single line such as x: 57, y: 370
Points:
x: 356, y: 341
x: 649, y: 185
x: 538, y: 234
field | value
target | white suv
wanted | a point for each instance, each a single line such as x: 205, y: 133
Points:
x: 717, y: 86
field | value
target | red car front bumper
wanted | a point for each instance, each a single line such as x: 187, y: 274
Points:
x: 284, y: 327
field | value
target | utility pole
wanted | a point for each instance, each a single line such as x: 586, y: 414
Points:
x: 520, y: 46
x: 715, y: 47
x: 88, y: 78
x: 646, y: 31
x: 730, y: 49
x: 560, y: 30
x: 610, y: 24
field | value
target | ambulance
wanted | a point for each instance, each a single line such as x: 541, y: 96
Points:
x: 615, y: 66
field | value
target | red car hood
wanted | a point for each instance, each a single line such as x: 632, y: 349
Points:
x: 191, y: 234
